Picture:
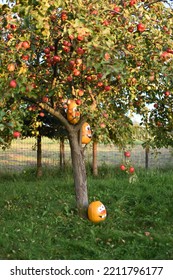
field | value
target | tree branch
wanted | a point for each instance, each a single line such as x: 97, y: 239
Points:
x: 56, y: 114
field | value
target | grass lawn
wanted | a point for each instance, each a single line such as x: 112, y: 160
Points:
x: 38, y: 218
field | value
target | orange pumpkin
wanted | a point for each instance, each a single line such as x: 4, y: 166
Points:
x: 86, y: 133
x: 73, y: 115
x: 96, y: 212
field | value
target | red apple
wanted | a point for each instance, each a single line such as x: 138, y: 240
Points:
x: 131, y: 170
x: 41, y: 114
x: 13, y: 84
x: 49, y: 61
x: 132, y: 3
x: 25, y: 57
x: 11, y: 67
x: 45, y: 99
x: 46, y: 50
x: 159, y: 124
x: 56, y: 58
x: 155, y: 105
x: 165, y: 55
x: 99, y: 75
x: 76, y: 72
x: 100, y: 84
x: 53, y: 17
x: 72, y: 64
x: 165, y: 28
x: 34, y: 85
x: 107, y: 88
x: 66, y: 43
x: 105, y: 115
x: 122, y: 167
x: 66, y: 49
x: 13, y: 26
x: 151, y: 78
x: 105, y: 22
x: 80, y: 51
x: 78, y: 61
x: 25, y: 45
x: 141, y: 27
x: 16, y: 134
x: 64, y: 16
x: 170, y: 51
x: 9, y: 36
x: 116, y: 9
x: 80, y: 38
x: 29, y: 108
x: 94, y: 12
x: 130, y: 47
x: 78, y: 101
x: 52, y: 48
x: 167, y: 93
x: 107, y: 56
x: 102, y: 125
x: 71, y: 37
x: 131, y: 29
x: 127, y: 154
x: 80, y: 92
x: 69, y: 78
x: 89, y: 78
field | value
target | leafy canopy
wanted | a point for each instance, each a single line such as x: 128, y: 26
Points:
x: 111, y: 56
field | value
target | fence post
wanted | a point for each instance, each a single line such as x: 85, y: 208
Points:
x: 62, y: 153
x: 147, y: 150
x: 95, y: 167
x: 39, y: 156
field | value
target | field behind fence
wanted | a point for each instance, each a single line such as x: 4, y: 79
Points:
x: 23, y: 153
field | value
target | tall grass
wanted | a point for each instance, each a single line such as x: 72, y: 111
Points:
x: 38, y: 218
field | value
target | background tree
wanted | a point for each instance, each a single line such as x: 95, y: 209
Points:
x: 113, y: 56
x: 40, y: 124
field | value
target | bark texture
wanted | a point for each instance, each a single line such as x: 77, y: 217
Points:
x: 79, y: 173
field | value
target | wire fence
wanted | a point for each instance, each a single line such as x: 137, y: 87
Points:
x: 23, y: 154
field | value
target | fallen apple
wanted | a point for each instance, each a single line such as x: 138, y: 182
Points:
x: 16, y: 134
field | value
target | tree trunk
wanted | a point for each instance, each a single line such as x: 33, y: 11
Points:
x: 95, y: 167
x: 79, y: 173
x: 39, y: 157
x: 62, y: 154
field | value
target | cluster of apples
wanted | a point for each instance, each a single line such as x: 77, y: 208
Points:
x: 127, y: 166
x: 23, y: 45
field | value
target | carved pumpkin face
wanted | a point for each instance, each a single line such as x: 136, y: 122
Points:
x: 86, y: 133
x: 96, y: 212
x: 73, y: 115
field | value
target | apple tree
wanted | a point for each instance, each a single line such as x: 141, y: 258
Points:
x: 105, y: 56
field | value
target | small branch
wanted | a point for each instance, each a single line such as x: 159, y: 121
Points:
x: 56, y: 114
x: 54, y: 82
x: 94, y: 104
x: 28, y: 99
x: 147, y: 4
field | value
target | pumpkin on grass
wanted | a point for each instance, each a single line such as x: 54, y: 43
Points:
x: 96, y: 212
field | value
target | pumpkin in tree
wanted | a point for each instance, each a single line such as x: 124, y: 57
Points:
x: 73, y: 114
x: 86, y: 133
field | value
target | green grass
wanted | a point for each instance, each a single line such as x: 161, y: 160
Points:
x: 38, y: 218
